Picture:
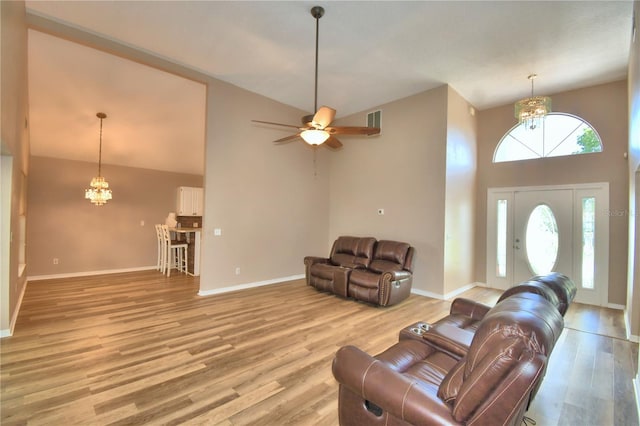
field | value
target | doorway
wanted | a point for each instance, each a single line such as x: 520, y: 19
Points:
x: 536, y: 230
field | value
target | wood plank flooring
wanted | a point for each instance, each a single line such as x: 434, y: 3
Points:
x: 140, y: 348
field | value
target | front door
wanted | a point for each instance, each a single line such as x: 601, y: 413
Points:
x: 543, y: 233
x: 533, y: 231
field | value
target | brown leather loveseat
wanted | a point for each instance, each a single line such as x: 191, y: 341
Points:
x: 417, y: 382
x: 378, y: 272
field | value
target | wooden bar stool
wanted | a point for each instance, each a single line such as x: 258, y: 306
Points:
x: 161, y: 249
x: 176, y: 253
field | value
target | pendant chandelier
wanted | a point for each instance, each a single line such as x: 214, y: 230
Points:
x: 531, y: 111
x: 99, y: 193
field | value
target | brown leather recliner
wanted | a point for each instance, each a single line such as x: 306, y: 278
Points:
x: 417, y: 383
x: 332, y: 274
x: 564, y: 288
x: 466, y: 314
x: 387, y: 279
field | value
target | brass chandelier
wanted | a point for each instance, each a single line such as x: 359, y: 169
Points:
x: 531, y: 111
x: 99, y: 193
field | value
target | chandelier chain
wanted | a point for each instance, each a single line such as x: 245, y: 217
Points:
x: 100, y: 150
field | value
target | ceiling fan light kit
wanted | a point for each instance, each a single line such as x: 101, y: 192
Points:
x: 315, y: 128
x: 314, y: 137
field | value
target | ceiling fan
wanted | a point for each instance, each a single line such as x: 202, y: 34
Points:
x: 316, y: 129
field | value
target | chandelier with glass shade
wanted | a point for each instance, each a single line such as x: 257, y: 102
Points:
x: 99, y: 193
x: 532, y: 110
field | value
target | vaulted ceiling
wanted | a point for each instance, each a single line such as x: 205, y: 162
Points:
x: 370, y: 53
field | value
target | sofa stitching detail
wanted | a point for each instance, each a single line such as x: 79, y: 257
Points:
x: 477, y: 415
x: 481, y: 373
x: 364, y: 377
x: 404, y: 398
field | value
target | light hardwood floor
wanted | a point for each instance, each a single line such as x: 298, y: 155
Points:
x: 140, y: 348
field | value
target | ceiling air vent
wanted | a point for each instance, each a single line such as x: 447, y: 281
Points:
x: 374, y: 119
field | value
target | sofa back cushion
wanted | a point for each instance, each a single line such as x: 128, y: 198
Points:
x: 391, y: 256
x: 511, y: 333
x: 561, y: 285
x: 534, y: 287
x: 349, y: 251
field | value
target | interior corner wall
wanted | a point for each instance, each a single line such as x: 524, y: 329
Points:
x: 85, y: 238
x: 605, y: 108
x: 270, y: 201
x: 460, y: 194
x: 15, y: 151
x: 402, y: 171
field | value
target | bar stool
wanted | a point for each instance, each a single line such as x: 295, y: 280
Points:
x: 161, y: 249
x: 176, y: 253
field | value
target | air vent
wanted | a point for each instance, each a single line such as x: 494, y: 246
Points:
x: 374, y: 119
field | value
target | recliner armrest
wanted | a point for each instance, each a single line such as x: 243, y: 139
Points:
x: 449, y: 338
x: 469, y: 308
x: 312, y: 260
x: 375, y: 381
x: 396, y: 275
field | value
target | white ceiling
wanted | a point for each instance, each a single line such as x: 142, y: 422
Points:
x: 370, y: 53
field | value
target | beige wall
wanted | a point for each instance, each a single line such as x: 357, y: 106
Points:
x: 87, y: 238
x: 270, y: 201
x: 15, y: 154
x: 633, y: 287
x: 402, y: 171
x: 460, y: 194
x: 605, y: 108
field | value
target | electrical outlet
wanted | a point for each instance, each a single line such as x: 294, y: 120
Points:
x: 56, y: 261
x: 142, y: 223
x: 217, y: 232
x: 237, y: 270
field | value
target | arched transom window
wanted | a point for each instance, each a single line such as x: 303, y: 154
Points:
x: 559, y: 134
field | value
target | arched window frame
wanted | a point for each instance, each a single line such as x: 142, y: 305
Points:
x: 539, y: 136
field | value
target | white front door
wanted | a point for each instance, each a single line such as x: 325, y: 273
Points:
x: 543, y: 233
x: 533, y: 231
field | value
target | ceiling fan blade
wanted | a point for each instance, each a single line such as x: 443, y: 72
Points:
x: 333, y: 142
x: 287, y: 138
x: 323, y: 117
x: 277, y: 124
x: 353, y: 130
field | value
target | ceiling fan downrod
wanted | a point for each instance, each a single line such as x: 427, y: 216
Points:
x: 317, y: 12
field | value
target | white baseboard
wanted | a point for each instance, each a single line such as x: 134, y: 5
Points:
x: 248, y: 285
x: 636, y: 388
x: 89, y: 273
x: 447, y: 296
x: 14, y: 317
x: 616, y: 306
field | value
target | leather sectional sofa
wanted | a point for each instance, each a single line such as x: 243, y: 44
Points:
x: 478, y: 365
x: 362, y: 268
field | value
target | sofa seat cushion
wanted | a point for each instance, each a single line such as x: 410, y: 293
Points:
x: 331, y: 278
x: 325, y: 271
x: 364, y: 285
x: 418, y: 361
x: 364, y: 278
x: 461, y: 321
